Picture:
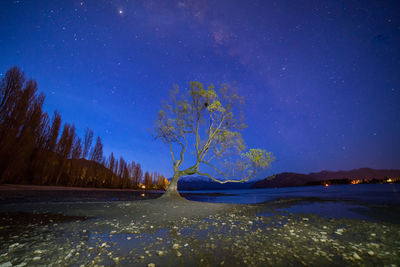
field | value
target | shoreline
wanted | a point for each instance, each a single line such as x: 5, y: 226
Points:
x: 11, y: 187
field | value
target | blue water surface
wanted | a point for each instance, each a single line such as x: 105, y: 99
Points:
x: 368, y: 193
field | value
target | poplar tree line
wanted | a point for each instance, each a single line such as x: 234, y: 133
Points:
x: 35, y: 150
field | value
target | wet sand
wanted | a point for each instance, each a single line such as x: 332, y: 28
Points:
x: 188, y: 233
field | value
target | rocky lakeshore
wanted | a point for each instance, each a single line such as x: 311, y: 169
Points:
x: 188, y: 233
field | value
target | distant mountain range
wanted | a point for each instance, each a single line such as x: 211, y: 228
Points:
x: 288, y: 179
x: 285, y: 179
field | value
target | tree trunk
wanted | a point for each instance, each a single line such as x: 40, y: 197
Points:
x: 172, y: 190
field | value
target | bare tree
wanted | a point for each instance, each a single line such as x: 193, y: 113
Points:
x: 54, y: 131
x: 77, y: 148
x: 137, y: 174
x: 10, y: 87
x: 97, y: 152
x: 87, y: 142
x: 212, y: 122
x: 64, y: 148
x: 32, y: 150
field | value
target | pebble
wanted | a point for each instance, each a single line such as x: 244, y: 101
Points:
x: 6, y: 264
x: 160, y: 253
x: 36, y: 258
x: 175, y: 246
x: 371, y: 253
x: 68, y: 256
x: 151, y: 265
x: 178, y: 254
x: 339, y: 231
x: 14, y: 245
x: 356, y: 256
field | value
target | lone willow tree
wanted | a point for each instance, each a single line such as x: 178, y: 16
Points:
x: 207, y: 123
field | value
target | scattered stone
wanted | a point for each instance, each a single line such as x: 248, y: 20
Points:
x: 160, y: 253
x: 178, y: 254
x: 6, y: 264
x: 13, y: 245
x: 339, y: 231
x: 38, y: 251
x: 356, y: 256
x: 68, y: 256
x: 175, y: 246
x: 371, y: 253
x: 151, y: 265
x: 37, y: 258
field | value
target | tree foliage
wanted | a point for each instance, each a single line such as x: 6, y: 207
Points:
x: 211, y: 121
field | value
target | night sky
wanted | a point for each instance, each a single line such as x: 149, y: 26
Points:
x: 321, y: 79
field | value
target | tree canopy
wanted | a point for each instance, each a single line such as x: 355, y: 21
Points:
x: 210, y: 122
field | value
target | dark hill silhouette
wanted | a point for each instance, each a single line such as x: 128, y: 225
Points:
x: 288, y: 179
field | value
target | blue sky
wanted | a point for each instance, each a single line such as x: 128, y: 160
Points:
x: 320, y: 78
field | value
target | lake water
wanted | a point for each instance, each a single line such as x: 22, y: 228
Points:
x: 374, y: 202
x: 368, y: 193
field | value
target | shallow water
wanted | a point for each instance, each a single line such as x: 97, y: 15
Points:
x: 367, y: 193
x: 374, y: 202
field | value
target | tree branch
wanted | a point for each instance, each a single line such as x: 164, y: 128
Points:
x: 212, y: 166
x: 172, y: 152
x: 226, y: 181
x: 183, y: 150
